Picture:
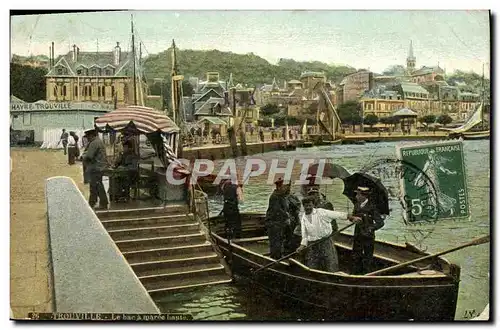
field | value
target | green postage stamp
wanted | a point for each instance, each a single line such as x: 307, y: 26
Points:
x: 438, y: 190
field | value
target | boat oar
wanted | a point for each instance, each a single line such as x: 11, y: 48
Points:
x: 308, y: 246
x: 478, y: 241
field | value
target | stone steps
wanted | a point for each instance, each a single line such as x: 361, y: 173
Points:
x: 154, y: 232
x: 160, y: 242
x: 153, y: 221
x: 182, y: 276
x: 174, y: 209
x: 188, y: 251
x: 165, y: 247
x: 175, y: 265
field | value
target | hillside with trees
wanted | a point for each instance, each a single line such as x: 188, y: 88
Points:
x: 248, y: 69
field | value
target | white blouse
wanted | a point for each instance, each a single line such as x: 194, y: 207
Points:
x: 318, y: 224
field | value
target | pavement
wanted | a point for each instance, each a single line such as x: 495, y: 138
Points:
x: 30, y: 282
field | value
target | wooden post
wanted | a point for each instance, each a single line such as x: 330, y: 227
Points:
x: 232, y: 130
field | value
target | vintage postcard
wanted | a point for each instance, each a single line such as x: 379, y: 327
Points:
x: 291, y: 165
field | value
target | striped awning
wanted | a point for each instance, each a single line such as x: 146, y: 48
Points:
x: 144, y: 120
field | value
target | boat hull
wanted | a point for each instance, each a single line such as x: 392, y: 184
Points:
x: 339, y: 296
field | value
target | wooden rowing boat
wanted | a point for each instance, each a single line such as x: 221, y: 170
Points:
x: 425, y: 291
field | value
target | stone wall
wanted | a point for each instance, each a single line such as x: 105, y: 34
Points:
x: 89, y: 273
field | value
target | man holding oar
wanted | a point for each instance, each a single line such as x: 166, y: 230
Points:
x: 317, y: 224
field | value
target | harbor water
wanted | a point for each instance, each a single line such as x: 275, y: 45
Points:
x: 243, y: 301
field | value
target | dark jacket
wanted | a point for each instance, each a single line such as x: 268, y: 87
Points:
x: 95, y: 156
x: 371, y: 219
x: 277, y: 211
x: 128, y: 160
x: 230, y: 194
x: 294, y: 210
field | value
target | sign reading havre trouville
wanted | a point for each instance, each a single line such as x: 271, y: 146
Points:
x: 439, y: 191
x: 60, y: 106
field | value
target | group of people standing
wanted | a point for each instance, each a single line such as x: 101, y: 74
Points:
x: 310, y: 233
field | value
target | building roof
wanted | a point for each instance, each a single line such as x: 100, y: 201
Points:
x: 427, y: 70
x: 413, y: 88
x: 207, y: 108
x: 213, y: 120
x: 405, y: 112
x: 14, y: 99
x: 101, y: 60
x: 294, y: 81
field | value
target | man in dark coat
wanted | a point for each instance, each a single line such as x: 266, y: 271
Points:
x: 95, y: 162
x: 232, y: 196
x: 367, y: 219
x: 126, y: 172
x: 277, y: 219
x: 292, y: 234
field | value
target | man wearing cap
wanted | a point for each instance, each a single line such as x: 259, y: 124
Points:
x: 367, y: 220
x: 95, y: 161
x: 277, y: 219
x: 316, y: 225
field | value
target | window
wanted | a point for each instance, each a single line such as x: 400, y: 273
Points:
x: 27, y: 118
x: 79, y: 72
x: 55, y: 91
x: 103, y: 91
x: 112, y: 91
x: 64, y: 90
x: 75, y: 93
x: 99, y: 91
x: 59, y: 71
x: 109, y: 72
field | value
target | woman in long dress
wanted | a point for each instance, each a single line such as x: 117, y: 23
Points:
x: 434, y: 163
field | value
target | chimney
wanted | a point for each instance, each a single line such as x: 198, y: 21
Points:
x: 77, y: 51
x: 75, y: 55
x: 116, y: 57
x: 50, y: 57
x: 52, y: 60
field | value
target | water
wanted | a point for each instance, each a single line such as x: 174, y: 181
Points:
x: 241, y: 301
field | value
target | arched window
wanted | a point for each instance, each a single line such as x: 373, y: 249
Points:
x: 55, y: 91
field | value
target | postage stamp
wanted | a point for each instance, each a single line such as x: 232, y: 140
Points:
x: 391, y: 171
x: 442, y: 168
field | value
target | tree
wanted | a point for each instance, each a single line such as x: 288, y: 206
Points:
x: 394, y: 70
x: 269, y: 109
x: 371, y: 120
x: 444, y: 120
x: 28, y: 83
x: 349, y: 113
x: 429, y: 119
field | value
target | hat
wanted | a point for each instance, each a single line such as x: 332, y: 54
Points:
x: 313, y: 191
x: 363, y: 190
x: 91, y: 131
x: 279, y: 182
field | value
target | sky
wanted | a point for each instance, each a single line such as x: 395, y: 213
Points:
x: 371, y: 40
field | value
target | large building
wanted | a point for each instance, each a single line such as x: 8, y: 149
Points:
x: 353, y: 86
x: 92, y: 77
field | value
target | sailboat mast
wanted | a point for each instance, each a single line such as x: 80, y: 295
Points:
x: 482, y: 100
x: 133, y: 58
x: 174, y: 84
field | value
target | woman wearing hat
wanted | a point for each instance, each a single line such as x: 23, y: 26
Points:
x: 367, y: 220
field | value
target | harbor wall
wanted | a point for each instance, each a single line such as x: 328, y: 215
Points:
x: 224, y: 151
x: 88, y: 272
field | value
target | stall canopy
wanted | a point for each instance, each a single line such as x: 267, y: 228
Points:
x: 142, y: 119
x: 160, y: 130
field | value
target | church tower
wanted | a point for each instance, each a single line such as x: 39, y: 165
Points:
x: 410, y: 60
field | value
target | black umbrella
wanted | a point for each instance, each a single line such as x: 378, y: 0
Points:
x: 330, y: 171
x: 378, y: 193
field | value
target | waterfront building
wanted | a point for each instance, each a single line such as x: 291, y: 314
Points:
x: 381, y: 102
x: 92, y: 77
x: 353, y: 86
